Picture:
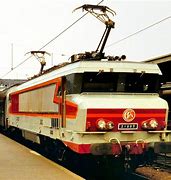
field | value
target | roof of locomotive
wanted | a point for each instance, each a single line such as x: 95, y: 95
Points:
x: 106, y: 66
x: 91, y: 66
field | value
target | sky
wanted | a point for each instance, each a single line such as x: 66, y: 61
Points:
x: 28, y: 25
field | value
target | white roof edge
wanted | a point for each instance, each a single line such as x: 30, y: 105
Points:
x: 94, y: 66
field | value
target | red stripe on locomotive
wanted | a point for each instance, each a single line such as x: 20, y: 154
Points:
x: 116, y: 116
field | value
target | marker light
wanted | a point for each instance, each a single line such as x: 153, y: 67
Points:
x: 110, y: 125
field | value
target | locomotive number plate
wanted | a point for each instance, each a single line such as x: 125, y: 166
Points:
x: 127, y: 126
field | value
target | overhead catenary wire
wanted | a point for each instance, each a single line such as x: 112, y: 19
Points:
x: 45, y: 44
x: 48, y: 42
x: 137, y: 32
x: 67, y: 28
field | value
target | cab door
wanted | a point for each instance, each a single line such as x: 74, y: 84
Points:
x: 60, y: 99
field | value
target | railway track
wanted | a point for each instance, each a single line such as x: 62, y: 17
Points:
x: 163, y: 161
x: 160, y: 168
x: 135, y: 176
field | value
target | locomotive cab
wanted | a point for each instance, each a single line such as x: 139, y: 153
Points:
x: 110, y: 86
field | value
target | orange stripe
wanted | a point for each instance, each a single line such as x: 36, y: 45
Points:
x: 79, y: 148
x: 43, y: 115
x: 52, y: 81
x: 73, y: 117
x: 36, y: 115
x: 69, y: 103
x: 120, y: 115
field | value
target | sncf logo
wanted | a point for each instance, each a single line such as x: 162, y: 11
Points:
x: 128, y: 115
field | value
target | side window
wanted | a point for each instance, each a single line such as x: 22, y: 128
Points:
x: 57, y: 93
x: 74, y: 83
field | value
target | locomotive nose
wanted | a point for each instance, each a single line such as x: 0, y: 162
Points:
x: 124, y: 113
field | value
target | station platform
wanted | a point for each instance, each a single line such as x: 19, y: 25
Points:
x: 18, y: 162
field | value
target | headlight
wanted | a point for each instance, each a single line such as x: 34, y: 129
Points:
x: 101, y: 124
x: 150, y: 124
x: 153, y: 124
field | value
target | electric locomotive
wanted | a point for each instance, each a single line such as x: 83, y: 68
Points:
x: 96, y: 104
